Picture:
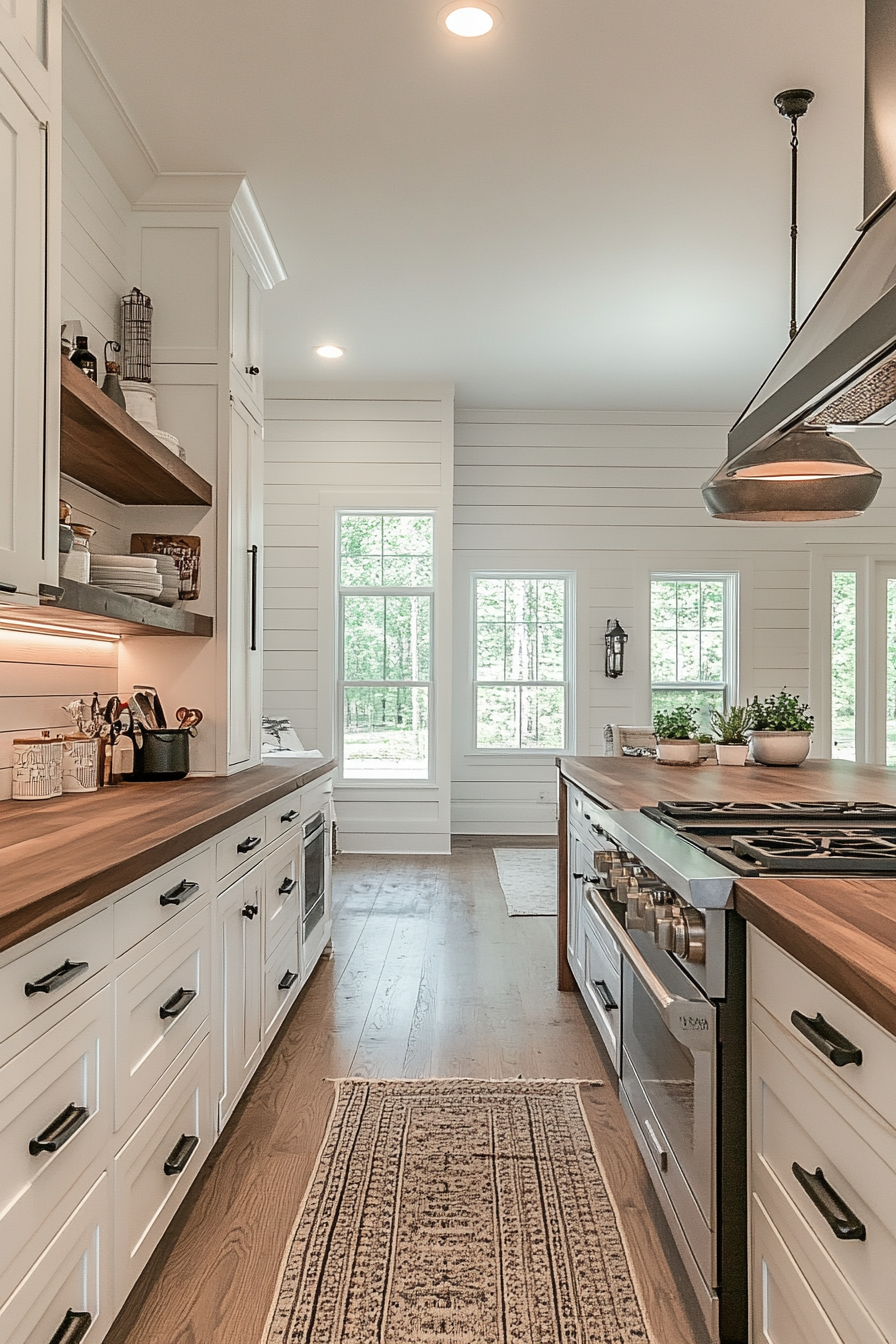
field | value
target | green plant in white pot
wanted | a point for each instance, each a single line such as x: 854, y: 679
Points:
x: 782, y: 729
x: 731, y: 728
x: 676, y: 735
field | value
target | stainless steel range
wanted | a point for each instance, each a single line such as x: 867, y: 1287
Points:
x: 660, y: 957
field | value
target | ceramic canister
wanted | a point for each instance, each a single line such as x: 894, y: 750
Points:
x: 36, y: 767
x: 80, y: 764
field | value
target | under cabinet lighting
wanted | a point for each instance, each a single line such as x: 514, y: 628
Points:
x: 329, y: 351
x: 25, y: 627
x: 469, y: 20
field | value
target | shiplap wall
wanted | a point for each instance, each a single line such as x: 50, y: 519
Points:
x: 336, y: 446
x: 610, y: 498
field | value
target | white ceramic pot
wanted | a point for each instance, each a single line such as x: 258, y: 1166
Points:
x: 731, y: 753
x: 779, y: 746
x: 140, y: 400
x: 683, y: 750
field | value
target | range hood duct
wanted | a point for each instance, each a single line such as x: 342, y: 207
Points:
x: 840, y: 368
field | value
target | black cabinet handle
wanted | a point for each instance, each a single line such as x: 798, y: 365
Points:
x: 180, y: 1154
x: 53, y: 980
x: 9, y: 587
x: 253, y: 551
x: 59, y: 1131
x: 177, y: 895
x: 177, y: 1003
x: 250, y: 911
x: 246, y: 846
x: 288, y: 980
x: 289, y: 816
x: 839, y: 1216
x: 833, y: 1044
x: 577, y: 877
x: 605, y: 996
x: 74, y: 1327
x: 253, y: 369
x: 287, y: 885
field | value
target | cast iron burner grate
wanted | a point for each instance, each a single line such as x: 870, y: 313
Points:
x: 840, y: 851
x: 784, y: 809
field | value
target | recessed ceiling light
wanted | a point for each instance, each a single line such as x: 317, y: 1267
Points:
x: 469, y: 20
x: 329, y: 351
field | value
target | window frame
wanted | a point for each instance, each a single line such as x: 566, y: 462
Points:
x: 569, y: 665
x: 382, y: 590
x: 731, y: 586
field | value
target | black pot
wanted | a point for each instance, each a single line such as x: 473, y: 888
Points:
x: 161, y: 753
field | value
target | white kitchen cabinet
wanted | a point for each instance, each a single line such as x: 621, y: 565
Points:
x: 245, y: 332
x: 244, y: 614
x: 240, y: 933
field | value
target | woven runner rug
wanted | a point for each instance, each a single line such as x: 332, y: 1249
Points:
x: 456, y: 1211
x: 528, y: 880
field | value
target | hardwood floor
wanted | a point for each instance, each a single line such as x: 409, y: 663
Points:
x: 429, y: 978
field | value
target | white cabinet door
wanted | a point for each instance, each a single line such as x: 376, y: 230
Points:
x: 245, y: 590
x: 245, y: 331
x: 240, y: 926
x: 22, y: 381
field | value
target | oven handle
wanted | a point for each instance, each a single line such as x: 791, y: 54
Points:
x: 692, y: 1023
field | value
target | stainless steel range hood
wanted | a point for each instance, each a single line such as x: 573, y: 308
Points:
x: 840, y: 368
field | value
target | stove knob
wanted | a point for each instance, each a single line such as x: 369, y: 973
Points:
x: 689, y: 936
x: 663, y: 933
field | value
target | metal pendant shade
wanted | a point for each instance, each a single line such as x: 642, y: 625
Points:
x: 802, y: 455
x: 783, y: 500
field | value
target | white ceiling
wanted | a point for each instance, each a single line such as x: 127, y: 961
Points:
x: 587, y: 208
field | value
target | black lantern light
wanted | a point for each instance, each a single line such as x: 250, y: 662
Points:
x: 615, y: 640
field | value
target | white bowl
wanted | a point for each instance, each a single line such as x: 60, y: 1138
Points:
x: 125, y: 561
x: 779, y: 746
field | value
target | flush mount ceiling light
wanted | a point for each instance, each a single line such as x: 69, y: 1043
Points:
x: 469, y: 20
x: 329, y: 351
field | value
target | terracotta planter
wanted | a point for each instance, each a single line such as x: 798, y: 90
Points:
x: 731, y: 753
x: 683, y: 750
x: 779, y: 747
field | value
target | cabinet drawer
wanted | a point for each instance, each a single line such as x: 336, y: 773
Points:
x: 282, y: 981
x: 284, y: 817
x: 55, y: 1116
x: 73, y: 1275
x: 793, y: 1123
x: 785, y: 1310
x: 155, y: 1015
x: 240, y: 844
x: 282, y: 893
x: 157, y: 1165
x: 168, y: 894
x: 783, y: 987
x: 603, y: 988
x: 51, y: 971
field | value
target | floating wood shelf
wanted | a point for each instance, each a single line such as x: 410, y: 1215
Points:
x: 84, y: 606
x: 105, y: 448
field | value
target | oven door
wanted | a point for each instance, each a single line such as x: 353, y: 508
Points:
x: 313, y: 874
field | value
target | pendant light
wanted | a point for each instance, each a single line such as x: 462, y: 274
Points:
x: 806, y: 475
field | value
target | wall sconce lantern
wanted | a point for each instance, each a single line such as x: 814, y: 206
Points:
x: 615, y: 640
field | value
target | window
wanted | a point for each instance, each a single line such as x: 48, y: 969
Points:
x: 890, y: 637
x: 386, y: 588
x: 844, y: 631
x: 692, y: 642
x: 521, y: 643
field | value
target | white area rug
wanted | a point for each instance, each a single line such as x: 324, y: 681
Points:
x: 528, y: 879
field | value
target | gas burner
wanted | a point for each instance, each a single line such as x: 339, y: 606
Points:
x: 832, y: 851
x: 785, y: 810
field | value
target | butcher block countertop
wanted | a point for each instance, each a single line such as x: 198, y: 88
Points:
x: 842, y: 928
x: 61, y: 855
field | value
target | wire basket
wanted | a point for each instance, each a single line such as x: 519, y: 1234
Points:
x: 136, y: 337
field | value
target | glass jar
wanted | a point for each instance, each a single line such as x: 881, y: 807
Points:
x: 76, y: 564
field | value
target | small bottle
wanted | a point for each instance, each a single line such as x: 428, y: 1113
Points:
x: 85, y: 361
x: 111, y: 385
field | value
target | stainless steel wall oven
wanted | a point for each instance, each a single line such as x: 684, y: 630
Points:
x: 314, y: 858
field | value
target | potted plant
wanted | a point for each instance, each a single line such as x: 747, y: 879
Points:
x: 676, y: 735
x: 732, y: 743
x: 781, y: 730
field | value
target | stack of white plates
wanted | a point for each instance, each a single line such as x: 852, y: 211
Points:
x: 135, y: 575
x: 170, y: 573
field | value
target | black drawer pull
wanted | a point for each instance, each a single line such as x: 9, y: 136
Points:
x: 288, y: 885
x: 246, y: 846
x: 577, y: 877
x: 605, y: 996
x: 177, y: 895
x: 74, y: 1327
x: 180, y: 1154
x: 8, y: 587
x: 288, y: 980
x: 289, y: 816
x: 839, y: 1216
x: 249, y: 911
x: 53, y: 980
x: 177, y: 1003
x: 832, y: 1043
x: 59, y: 1131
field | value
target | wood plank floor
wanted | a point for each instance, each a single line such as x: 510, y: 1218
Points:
x: 429, y: 978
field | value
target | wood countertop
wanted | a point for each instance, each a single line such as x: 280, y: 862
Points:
x: 61, y: 855
x: 842, y: 928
